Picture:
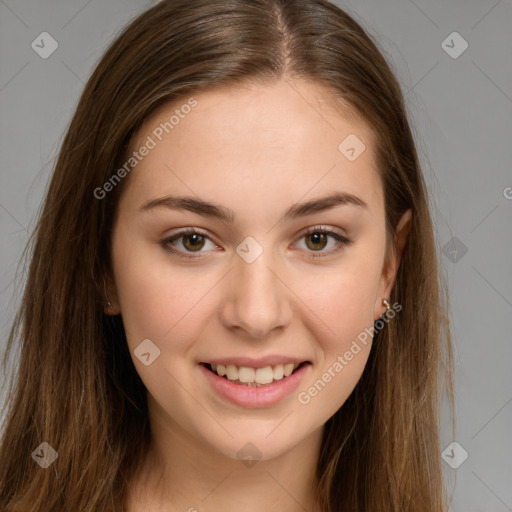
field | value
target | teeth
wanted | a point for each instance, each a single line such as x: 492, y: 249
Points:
x: 231, y: 372
x: 264, y: 375
x: 288, y: 369
x: 278, y: 372
x: 247, y: 375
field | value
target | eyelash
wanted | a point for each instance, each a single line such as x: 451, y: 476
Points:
x: 341, y: 241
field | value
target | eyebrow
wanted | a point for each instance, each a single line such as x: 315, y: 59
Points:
x: 217, y: 211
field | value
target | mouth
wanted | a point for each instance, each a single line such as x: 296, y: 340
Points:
x: 254, y: 377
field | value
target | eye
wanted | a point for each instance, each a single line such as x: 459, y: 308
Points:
x: 193, y: 241
x: 318, y: 237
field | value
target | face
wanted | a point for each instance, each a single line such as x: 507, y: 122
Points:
x: 255, y: 282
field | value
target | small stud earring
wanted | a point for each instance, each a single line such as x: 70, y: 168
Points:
x: 108, y: 308
x: 386, y: 303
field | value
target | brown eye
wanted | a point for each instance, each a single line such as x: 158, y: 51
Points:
x: 317, y: 238
x: 192, y: 242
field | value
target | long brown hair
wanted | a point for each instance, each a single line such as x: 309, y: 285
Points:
x: 77, y: 388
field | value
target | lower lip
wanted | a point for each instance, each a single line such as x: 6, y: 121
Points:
x: 248, y: 396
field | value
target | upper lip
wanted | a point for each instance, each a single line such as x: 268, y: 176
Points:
x: 256, y: 362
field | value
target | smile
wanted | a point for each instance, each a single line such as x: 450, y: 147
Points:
x: 252, y: 387
x: 255, y: 377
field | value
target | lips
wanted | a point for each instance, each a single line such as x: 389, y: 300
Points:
x: 253, y: 394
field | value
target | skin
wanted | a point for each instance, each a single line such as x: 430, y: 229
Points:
x: 256, y: 150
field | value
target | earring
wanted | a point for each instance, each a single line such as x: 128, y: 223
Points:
x: 388, y: 307
x: 108, y: 308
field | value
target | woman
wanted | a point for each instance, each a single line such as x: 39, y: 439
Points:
x: 189, y: 338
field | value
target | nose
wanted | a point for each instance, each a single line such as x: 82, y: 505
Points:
x: 257, y: 300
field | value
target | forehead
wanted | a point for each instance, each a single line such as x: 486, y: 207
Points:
x: 239, y: 144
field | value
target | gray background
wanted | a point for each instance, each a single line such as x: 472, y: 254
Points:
x: 461, y: 113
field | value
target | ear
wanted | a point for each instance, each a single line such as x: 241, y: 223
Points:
x: 390, y: 268
x: 111, y: 297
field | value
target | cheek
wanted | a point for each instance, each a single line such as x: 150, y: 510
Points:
x: 343, y: 298
x: 344, y: 302
x: 156, y: 298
